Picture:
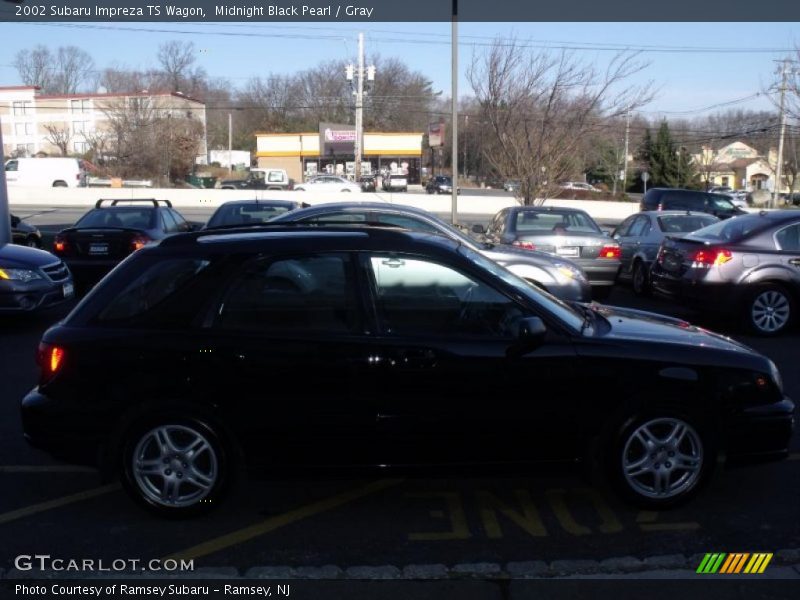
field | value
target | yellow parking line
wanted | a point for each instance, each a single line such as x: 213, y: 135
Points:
x: 58, y: 502
x: 45, y: 469
x: 271, y: 524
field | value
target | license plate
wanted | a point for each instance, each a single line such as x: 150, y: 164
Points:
x: 68, y: 290
x: 98, y: 248
x: 568, y: 251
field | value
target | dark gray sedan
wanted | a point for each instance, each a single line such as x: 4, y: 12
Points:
x: 561, y: 277
x: 640, y: 236
x: 250, y: 212
x: 565, y: 232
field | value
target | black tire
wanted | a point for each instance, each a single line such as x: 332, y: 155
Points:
x: 213, y: 467
x: 760, y: 320
x: 346, y: 190
x: 636, y: 463
x: 59, y: 183
x: 640, y: 279
x: 33, y: 242
x: 299, y: 189
x: 429, y: 190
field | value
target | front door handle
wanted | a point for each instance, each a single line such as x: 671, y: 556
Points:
x: 795, y: 262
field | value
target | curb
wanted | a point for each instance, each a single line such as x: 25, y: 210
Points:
x: 786, y: 563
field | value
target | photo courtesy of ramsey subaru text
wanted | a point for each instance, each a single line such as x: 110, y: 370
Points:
x: 159, y: 373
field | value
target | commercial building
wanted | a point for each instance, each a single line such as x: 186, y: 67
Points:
x: 330, y: 150
x: 36, y: 123
x: 740, y: 167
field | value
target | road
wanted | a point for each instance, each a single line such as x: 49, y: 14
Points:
x: 389, y: 519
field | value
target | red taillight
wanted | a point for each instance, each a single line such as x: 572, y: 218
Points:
x: 712, y: 257
x: 59, y: 243
x: 139, y: 241
x: 524, y: 245
x: 609, y: 252
x: 50, y: 358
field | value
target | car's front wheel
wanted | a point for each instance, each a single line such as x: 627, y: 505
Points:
x: 769, y: 310
x: 660, y: 460
x: 32, y: 242
x: 175, y: 467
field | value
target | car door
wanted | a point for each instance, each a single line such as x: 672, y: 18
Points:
x: 450, y: 388
x: 626, y: 242
x: 284, y: 341
x: 788, y: 242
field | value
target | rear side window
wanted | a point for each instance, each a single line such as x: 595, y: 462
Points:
x: 407, y: 223
x: 148, y: 298
x: 292, y: 295
x: 789, y: 238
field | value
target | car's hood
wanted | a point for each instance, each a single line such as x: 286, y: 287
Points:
x: 639, y: 325
x: 22, y: 257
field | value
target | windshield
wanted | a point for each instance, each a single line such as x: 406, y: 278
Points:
x: 731, y: 230
x: 134, y: 218
x: 551, y: 304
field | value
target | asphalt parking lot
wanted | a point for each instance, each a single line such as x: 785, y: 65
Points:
x: 386, y: 519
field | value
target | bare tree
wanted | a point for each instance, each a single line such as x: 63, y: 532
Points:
x: 541, y: 107
x: 59, y: 137
x: 35, y: 67
x: 176, y: 60
x: 73, y: 69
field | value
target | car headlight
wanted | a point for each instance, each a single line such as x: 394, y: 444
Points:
x: 570, y: 271
x: 19, y: 274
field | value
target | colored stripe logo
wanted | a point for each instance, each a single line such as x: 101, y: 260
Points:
x: 734, y: 563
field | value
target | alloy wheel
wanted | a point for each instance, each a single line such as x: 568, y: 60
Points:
x: 175, y: 466
x: 662, y: 458
x: 770, y: 311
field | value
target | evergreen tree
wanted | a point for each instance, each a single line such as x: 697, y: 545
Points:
x: 669, y: 166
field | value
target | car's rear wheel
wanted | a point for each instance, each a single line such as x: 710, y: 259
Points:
x: 59, y: 183
x: 769, y: 310
x: 299, y: 189
x: 175, y: 467
x: 640, y: 281
x: 345, y: 190
x: 660, y: 459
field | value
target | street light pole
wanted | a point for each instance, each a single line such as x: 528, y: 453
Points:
x: 5, y: 216
x: 230, y: 142
x: 454, y: 82
x: 359, y: 107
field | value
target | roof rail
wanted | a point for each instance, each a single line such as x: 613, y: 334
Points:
x: 115, y: 201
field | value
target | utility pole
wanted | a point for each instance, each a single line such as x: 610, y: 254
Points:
x: 230, y: 143
x: 360, y: 72
x: 359, y: 106
x: 625, y: 152
x: 777, y: 187
x: 466, y: 124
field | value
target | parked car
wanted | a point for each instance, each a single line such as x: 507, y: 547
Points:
x: 395, y: 182
x: 328, y: 183
x: 46, y: 172
x: 748, y: 266
x: 567, y: 233
x: 720, y: 189
x: 511, y: 186
x: 369, y: 183
x: 640, y: 237
x: 25, y: 234
x: 397, y: 348
x: 112, y: 230
x: 441, y: 184
x: 32, y: 279
x: 559, y: 276
x: 259, y: 179
x: 578, y: 185
x: 718, y: 205
x: 739, y: 198
x: 250, y: 212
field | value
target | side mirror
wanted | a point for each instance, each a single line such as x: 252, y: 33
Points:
x: 531, y: 329
x: 478, y: 228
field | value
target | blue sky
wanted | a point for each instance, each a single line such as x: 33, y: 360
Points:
x: 692, y: 65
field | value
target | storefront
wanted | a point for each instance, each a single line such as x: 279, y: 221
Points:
x: 300, y: 155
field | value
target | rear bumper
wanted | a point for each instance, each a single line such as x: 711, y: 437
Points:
x: 722, y: 297
x: 761, y: 433
x: 90, y: 271
x: 600, y: 272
